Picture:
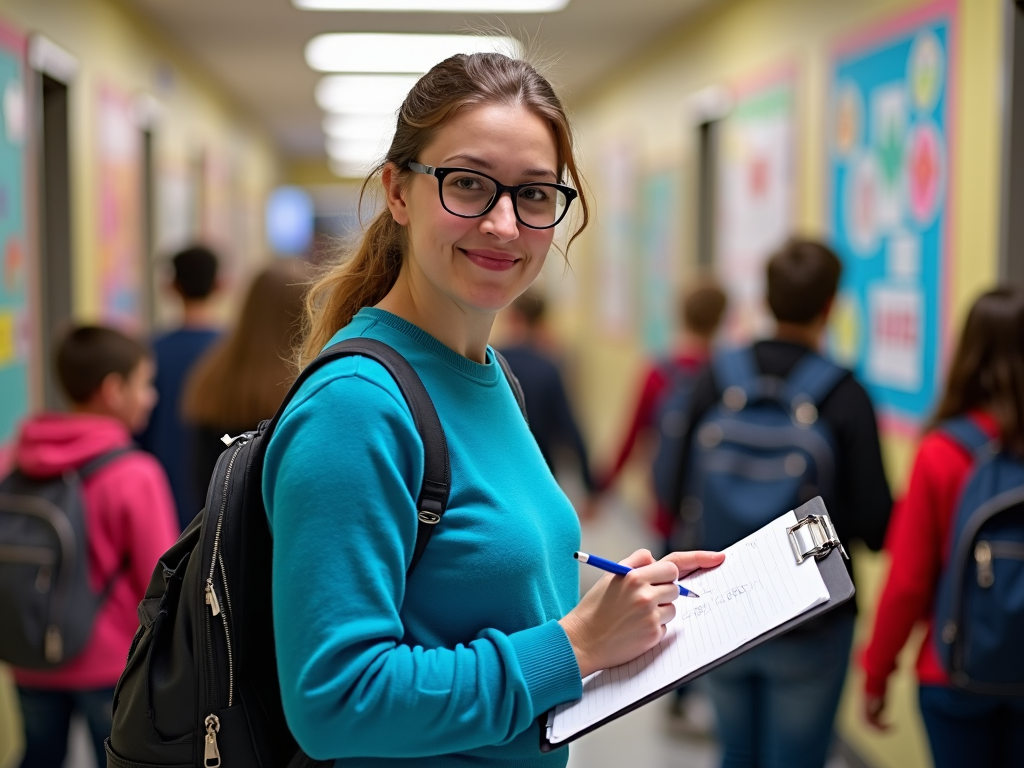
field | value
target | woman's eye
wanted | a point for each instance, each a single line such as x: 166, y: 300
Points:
x: 533, y: 194
x: 466, y: 182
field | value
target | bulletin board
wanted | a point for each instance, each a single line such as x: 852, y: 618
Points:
x: 15, y: 303
x: 889, y: 174
x: 755, y: 194
x: 120, y: 210
x: 617, y: 239
x: 659, y: 246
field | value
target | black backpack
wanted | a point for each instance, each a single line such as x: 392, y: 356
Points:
x: 200, y: 687
x: 47, y: 606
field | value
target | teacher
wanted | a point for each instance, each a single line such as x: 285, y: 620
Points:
x: 452, y: 665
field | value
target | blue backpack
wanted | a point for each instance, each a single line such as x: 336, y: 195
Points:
x: 761, y: 451
x: 671, y: 419
x: 979, y: 610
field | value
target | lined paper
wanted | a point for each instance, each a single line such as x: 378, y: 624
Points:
x: 757, y: 588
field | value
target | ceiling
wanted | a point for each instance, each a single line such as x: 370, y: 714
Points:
x: 254, y: 48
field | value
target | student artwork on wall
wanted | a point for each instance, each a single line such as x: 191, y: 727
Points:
x: 615, y: 310
x: 754, y: 193
x: 889, y: 173
x: 659, y: 244
x: 15, y: 309
x: 119, y: 161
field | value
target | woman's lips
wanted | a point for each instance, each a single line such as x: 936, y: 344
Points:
x: 495, y: 261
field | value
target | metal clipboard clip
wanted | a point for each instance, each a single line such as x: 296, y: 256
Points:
x: 814, y: 536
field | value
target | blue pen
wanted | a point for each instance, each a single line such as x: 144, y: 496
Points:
x: 618, y: 568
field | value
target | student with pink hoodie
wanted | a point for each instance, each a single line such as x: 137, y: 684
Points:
x: 129, y: 520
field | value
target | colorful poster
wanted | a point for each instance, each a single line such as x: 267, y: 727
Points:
x: 755, y: 196
x: 121, y: 249
x: 617, y: 223
x: 15, y: 329
x: 659, y: 244
x: 889, y: 165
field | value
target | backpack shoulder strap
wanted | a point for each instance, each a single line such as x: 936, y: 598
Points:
x: 813, y: 379
x: 736, y: 368
x: 94, y: 465
x: 966, y: 433
x: 517, y: 388
x: 433, y: 498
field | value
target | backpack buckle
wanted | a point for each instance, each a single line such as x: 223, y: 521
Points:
x: 814, y: 536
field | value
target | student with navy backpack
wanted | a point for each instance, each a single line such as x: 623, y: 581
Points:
x: 773, y: 425
x: 957, y: 554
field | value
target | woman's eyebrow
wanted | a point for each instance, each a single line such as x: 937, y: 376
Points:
x: 488, y: 166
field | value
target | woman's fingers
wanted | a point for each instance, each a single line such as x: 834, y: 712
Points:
x: 691, y: 561
x: 666, y: 613
x: 639, y: 559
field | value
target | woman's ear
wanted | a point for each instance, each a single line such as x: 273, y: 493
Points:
x: 394, y: 193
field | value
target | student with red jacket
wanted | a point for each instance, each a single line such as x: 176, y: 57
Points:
x: 986, y: 382
x: 129, y: 518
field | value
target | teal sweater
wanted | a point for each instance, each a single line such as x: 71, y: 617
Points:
x: 454, y: 666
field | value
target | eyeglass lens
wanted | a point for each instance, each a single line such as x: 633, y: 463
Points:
x: 468, y: 194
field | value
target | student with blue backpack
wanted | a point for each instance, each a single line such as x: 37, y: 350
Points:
x: 957, y: 554
x: 771, y: 426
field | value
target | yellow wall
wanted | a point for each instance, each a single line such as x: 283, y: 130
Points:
x: 645, y: 103
x: 114, y: 47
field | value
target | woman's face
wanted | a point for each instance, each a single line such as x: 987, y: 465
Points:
x: 479, y: 264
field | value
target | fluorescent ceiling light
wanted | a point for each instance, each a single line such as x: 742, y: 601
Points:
x: 377, y: 52
x: 359, y: 127
x: 356, y: 151
x: 350, y: 170
x: 363, y: 94
x: 435, y: 6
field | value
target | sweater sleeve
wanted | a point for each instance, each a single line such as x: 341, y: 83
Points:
x: 341, y: 477
x: 915, y: 546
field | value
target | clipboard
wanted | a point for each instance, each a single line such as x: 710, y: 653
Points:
x: 813, y: 536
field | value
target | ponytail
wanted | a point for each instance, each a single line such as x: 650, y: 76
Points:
x: 360, y: 281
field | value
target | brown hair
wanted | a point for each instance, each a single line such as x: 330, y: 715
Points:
x: 802, y: 279
x: 87, y: 354
x: 530, y: 304
x: 702, y: 306
x: 457, y: 83
x: 243, y: 378
x: 987, y: 370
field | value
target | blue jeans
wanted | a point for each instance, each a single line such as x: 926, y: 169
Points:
x: 971, y: 729
x: 47, y: 716
x: 775, y: 704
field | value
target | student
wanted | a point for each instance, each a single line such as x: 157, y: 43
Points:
x: 129, y: 522
x: 775, y: 705
x: 547, y: 404
x: 166, y: 437
x: 455, y: 665
x: 700, y: 313
x: 242, y: 379
x: 986, y: 383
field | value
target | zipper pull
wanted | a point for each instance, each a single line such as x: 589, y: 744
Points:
x: 229, y: 440
x: 53, y: 645
x: 211, y: 598
x: 212, y: 757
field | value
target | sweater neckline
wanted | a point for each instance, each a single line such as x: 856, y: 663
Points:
x: 485, y: 373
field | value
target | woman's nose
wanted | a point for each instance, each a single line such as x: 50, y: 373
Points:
x: 501, y: 220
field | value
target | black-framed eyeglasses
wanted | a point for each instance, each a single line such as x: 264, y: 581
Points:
x: 471, y: 194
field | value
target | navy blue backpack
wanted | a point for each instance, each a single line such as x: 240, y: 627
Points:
x: 979, y: 610
x: 761, y: 451
x: 671, y: 421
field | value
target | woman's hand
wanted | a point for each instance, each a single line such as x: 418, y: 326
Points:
x: 622, y: 617
x: 874, y: 708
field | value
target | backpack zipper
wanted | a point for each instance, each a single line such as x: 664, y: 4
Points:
x: 53, y: 642
x: 212, y: 723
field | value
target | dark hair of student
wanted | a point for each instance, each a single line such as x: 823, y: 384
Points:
x: 703, y: 305
x: 802, y: 279
x: 531, y: 306
x: 242, y: 379
x: 364, y: 277
x: 195, y: 271
x: 87, y: 354
x: 987, y: 369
